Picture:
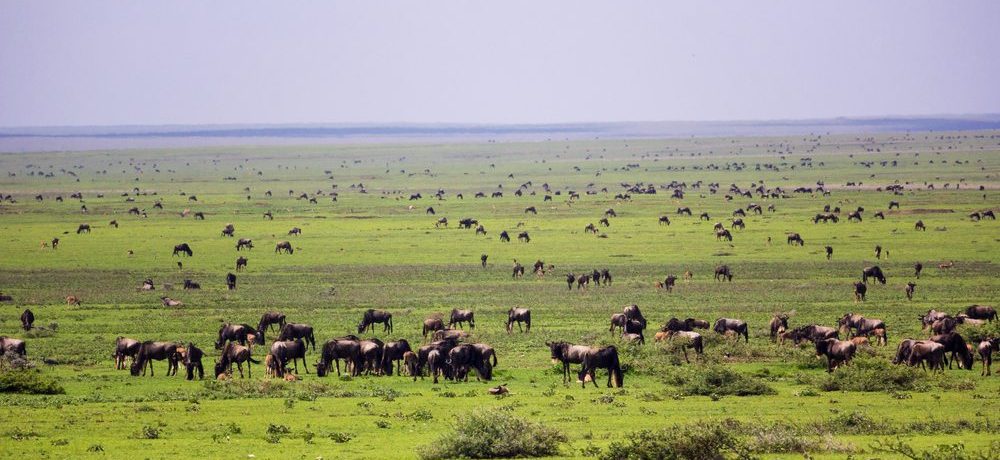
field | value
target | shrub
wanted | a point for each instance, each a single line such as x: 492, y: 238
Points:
x: 30, y: 382
x: 702, y: 441
x: 722, y: 381
x: 149, y: 432
x: 941, y: 452
x: 495, y: 434
x: 340, y: 437
x: 864, y: 374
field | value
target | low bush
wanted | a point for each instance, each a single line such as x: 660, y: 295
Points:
x: 873, y: 374
x: 703, y: 441
x: 720, y: 381
x: 495, y: 434
x: 29, y: 381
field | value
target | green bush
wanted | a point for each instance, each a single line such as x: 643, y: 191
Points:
x: 722, y: 381
x: 30, y: 382
x: 872, y: 374
x: 494, y: 434
x: 701, y: 441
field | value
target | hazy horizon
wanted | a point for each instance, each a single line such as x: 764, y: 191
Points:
x: 109, y: 63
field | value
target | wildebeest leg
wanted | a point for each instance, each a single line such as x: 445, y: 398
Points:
x: 239, y: 366
x: 684, y: 349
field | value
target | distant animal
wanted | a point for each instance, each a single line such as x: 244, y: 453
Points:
x: 241, y: 263
x: 228, y: 230
x: 684, y: 210
x: 946, y: 265
x: 872, y: 272
x: 779, y: 323
x: 909, y: 289
x: 183, y: 248
x: 482, y: 259
x: 837, y: 352
x: 441, y: 222
x: 295, y: 231
x: 829, y: 252
x: 113, y: 223
x: 459, y: 317
x: 723, y: 273
x: 188, y: 284
x: 723, y: 325
x: 854, y: 216
x: 860, y: 289
x: 738, y: 223
x: 981, y: 312
x: 920, y: 226
x: 292, y: 331
x: 504, y: 237
x: 283, y: 246
x: 432, y: 324
x: 602, y: 358
x: 723, y: 234
x: 168, y: 302
x: 371, y: 317
x: 158, y: 351
x: 231, y: 278
x: 664, y: 220
x: 518, y: 315
x: 244, y: 243
x: 523, y: 237
x: 855, y: 324
x: 83, y: 228
x: 795, y: 238
x: 985, y: 349
x: 570, y: 279
x: 27, y: 320
x: 917, y: 268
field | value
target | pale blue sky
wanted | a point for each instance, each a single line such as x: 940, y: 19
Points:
x: 188, y: 62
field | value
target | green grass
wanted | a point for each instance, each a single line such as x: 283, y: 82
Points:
x: 370, y: 251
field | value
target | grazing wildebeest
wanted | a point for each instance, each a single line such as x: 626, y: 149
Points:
x: 461, y: 316
x: 795, y: 238
x: 962, y: 318
x: 829, y: 252
x: 268, y: 320
x: 442, y: 221
x: 664, y: 220
x: 837, y: 352
x: 893, y: 204
x: 618, y: 321
x: 567, y: 354
x: 432, y: 324
x: 975, y: 216
x: 55, y: 243
x: 604, y: 221
x: 723, y: 234
x: 814, y: 333
x: 292, y: 331
x: 231, y: 279
x: 988, y: 214
x: 504, y: 237
x: 704, y: 216
x: 268, y: 215
x: 667, y: 283
x: 860, y: 289
x: 125, y: 348
x: 909, y: 289
x: 437, y: 363
x: 986, y: 348
x: 722, y: 325
x: 854, y: 215
x: 917, y: 268
x: 694, y: 340
x: 856, y: 325
x: 188, y: 284
x: 518, y: 315
x: 590, y: 228
x: 113, y: 223
x: 903, y: 351
x: 13, y: 346
x: 738, y: 223
x: 603, y: 358
x: 27, y: 320
x: 334, y: 350
x: 530, y: 209
x: 283, y: 246
x: 779, y: 323
x: 449, y: 334
x: 929, y: 352
x: 244, y: 243
x: 295, y: 231
x: 684, y: 210
x: 228, y: 230
x: 393, y: 351
x: 234, y: 354
x: 183, y: 248
x: 83, y: 228
x: 872, y: 272
x: 158, y: 351
x: 430, y: 210
x: 523, y: 237
x: 461, y: 358
x: 371, y: 317
x: 954, y: 343
x: 234, y: 333
x: 920, y: 226
x: 284, y: 350
x: 191, y: 357
x: 722, y: 273
x: 633, y: 337
x: 983, y: 312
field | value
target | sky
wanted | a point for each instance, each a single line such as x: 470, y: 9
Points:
x: 67, y: 63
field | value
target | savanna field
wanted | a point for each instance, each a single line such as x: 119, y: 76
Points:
x: 375, y: 248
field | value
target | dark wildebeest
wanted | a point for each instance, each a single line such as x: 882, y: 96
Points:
x: 854, y: 215
x: 283, y: 246
x: 603, y: 358
x: 530, y: 209
x: 426, y: 353
x: 814, y: 333
x: 292, y: 331
x: 437, y: 363
x: 244, y: 243
x: 241, y: 263
x: 483, y: 258
x: 371, y: 317
x: 234, y: 354
x: 981, y: 312
x: 231, y: 280
x: 837, y: 352
x: 27, y: 320
x: 928, y: 319
x: 878, y: 252
x: 633, y: 313
x: 464, y: 357
x: 393, y: 351
x: 201, y: 216
x: 582, y: 281
x: 903, y: 351
x: 856, y: 325
x: 267, y: 320
x: 779, y: 323
x: 926, y: 351
x: 488, y: 354
x: 158, y: 351
x: 83, y: 228
x: 440, y: 222
x: 944, y: 325
x: 738, y: 223
x: 590, y: 228
x: 113, y: 223
x: 284, y: 350
x: 412, y: 363
x: 604, y: 221
x: 188, y: 284
x: 872, y: 272
x: 618, y: 320
x: 606, y: 277
x: 13, y: 346
x: 234, y: 333
x: 860, y: 289
x: 462, y: 316
x: 295, y: 231
x: 893, y: 204
x: 518, y: 315
x: 722, y: 273
x: 684, y: 210
x: 504, y: 237
x: 664, y: 220
x: 668, y: 283
x: 570, y: 279
x: 523, y: 237
x: 183, y: 248
x: 567, y: 354
x: 723, y: 325
x: 723, y: 234
x: 955, y: 344
x: 917, y: 268
x: 595, y: 276
x: 191, y: 357
x: 125, y: 348
x: 704, y: 216
x: 430, y: 210
x: 795, y: 238
x: 228, y: 230
x: 920, y: 226
x: 518, y: 270
x: 910, y: 288
x: 829, y: 252
x: 432, y: 324
x: 336, y: 349
x: 986, y: 349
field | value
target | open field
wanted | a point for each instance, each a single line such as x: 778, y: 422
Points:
x: 371, y: 250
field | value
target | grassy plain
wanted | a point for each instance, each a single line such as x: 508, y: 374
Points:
x: 370, y: 250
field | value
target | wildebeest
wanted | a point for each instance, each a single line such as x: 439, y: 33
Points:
x: 244, y: 243
x: 432, y: 324
x: 983, y: 312
x: 336, y: 349
x: 606, y: 276
x: 518, y: 315
x: 633, y: 313
x: 854, y: 215
x: 738, y: 223
x: 917, y: 268
x: 462, y: 316
x: 504, y: 237
x: 241, y: 263
x: 168, y: 302
x: 603, y: 358
x: 693, y: 340
x: 986, y: 348
x: 684, y: 210
x: 829, y: 252
x: 483, y: 258
x: 27, y: 319
x: 234, y: 354
x: 371, y: 317
x: 437, y: 362
x: 920, y: 226
x: 837, y: 352
x: 234, y: 333
x: 872, y: 272
x: 125, y: 348
x: 854, y: 324
x: 83, y: 228
x: 284, y: 350
x: 231, y: 278
x: 183, y: 248
x: 292, y: 331
x: 159, y: 351
x: 393, y: 351
x: 464, y: 357
x: 814, y: 333
x: 267, y: 321
x: 909, y: 289
x: 722, y: 325
x: 903, y: 351
x: 954, y: 343
x: 570, y: 279
x: 283, y: 246
x: 295, y: 231
x: 523, y: 237
x: 926, y: 320
x: 926, y: 351
x: 704, y: 216
x: 449, y: 334
x: 113, y: 223
x: 860, y: 289
x: 618, y: 321
x: 722, y: 273
x: 228, y: 230
x: 582, y: 281
x: 893, y: 204
x: 412, y: 363
x: 188, y: 284
x: 191, y: 357
x: 518, y: 270
x: 779, y: 323
x: 13, y: 346
x: 664, y: 220
x: 442, y: 221
x: 795, y: 238
x: 723, y: 234
x: 530, y: 209
x: 567, y: 354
